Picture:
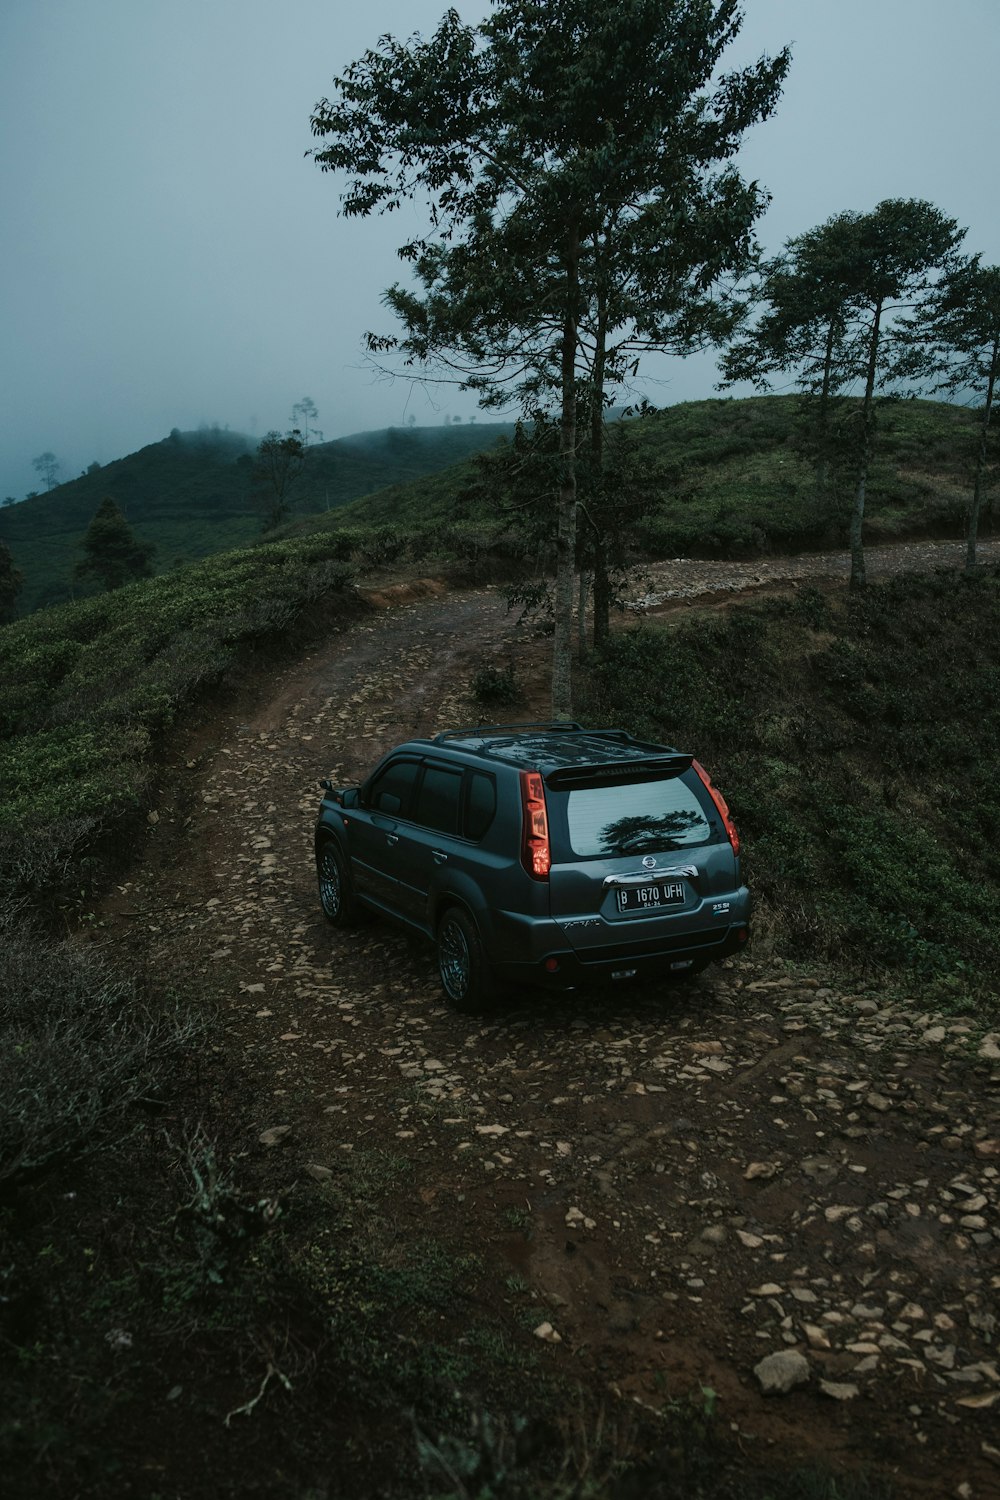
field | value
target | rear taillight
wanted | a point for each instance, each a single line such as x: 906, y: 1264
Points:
x: 536, y: 855
x: 721, y: 805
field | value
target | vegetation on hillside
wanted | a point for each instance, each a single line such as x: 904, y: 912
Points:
x: 738, y: 479
x: 856, y: 740
x: 88, y: 690
x: 733, y: 478
x: 195, y: 494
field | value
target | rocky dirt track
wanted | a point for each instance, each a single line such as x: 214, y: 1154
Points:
x: 754, y: 1182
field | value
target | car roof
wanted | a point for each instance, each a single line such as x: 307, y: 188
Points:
x: 550, y: 747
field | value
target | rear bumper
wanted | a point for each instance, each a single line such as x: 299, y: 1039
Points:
x: 564, y: 968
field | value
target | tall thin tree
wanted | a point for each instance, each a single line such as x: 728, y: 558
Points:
x: 959, y: 337
x: 576, y: 159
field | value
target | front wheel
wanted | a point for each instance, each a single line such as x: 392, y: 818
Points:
x: 466, y: 977
x: 336, y: 897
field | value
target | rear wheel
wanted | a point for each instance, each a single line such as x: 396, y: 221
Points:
x: 466, y: 977
x: 340, y: 906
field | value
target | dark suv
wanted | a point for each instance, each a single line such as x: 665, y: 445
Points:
x: 545, y: 854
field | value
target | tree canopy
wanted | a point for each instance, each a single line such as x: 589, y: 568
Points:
x: 832, y: 312
x: 277, y: 468
x: 575, y: 159
x: 113, y: 554
x: 958, y: 335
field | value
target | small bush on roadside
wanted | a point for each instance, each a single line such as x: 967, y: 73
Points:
x: 78, y: 1046
x: 496, y: 685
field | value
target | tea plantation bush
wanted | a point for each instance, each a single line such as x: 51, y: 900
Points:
x: 87, y: 690
x: 856, y: 738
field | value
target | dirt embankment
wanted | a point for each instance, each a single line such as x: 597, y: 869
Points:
x: 755, y: 1167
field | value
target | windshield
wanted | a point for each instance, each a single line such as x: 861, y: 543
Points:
x: 646, y: 817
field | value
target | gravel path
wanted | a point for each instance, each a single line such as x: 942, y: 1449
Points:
x: 686, y: 578
x: 752, y: 1182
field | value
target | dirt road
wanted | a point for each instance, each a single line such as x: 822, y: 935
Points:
x: 673, y: 1186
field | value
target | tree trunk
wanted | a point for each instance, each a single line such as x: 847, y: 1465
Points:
x: 602, y: 586
x: 581, y: 615
x: 562, y: 645
x: 858, y: 575
x: 823, y: 462
x: 977, y: 492
x: 602, y: 594
x: 858, y: 578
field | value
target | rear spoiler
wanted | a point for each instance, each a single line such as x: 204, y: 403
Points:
x: 649, y: 768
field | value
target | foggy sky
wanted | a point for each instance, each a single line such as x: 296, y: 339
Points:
x: 170, y: 258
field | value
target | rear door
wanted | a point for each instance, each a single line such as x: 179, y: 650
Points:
x: 452, y: 811
x: 637, y: 862
x: 429, y: 840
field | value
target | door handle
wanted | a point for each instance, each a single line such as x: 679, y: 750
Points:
x: 439, y: 856
x: 392, y: 838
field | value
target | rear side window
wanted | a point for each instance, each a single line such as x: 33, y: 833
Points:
x: 644, y: 817
x: 439, y: 800
x: 481, y: 806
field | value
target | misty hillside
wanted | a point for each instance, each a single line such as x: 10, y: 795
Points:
x: 735, y: 477
x: 193, y: 494
x: 731, y: 478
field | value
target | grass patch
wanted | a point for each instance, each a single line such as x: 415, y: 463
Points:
x: 194, y: 495
x: 856, y: 738
x: 89, y: 690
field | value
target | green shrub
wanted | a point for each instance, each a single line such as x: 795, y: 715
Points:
x: 495, y: 685
x: 859, y: 762
x: 78, y: 1046
x: 90, y: 688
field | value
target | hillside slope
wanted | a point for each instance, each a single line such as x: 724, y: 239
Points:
x: 603, y: 1210
x: 735, y: 477
x: 193, y: 495
x: 732, y: 478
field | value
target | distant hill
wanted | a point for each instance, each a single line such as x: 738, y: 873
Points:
x: 736, y: 480
x: 193, y: 495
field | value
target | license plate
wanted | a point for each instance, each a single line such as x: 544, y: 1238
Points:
x: 649, y: 897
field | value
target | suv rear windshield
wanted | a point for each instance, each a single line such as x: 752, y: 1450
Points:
x: 634, y: 818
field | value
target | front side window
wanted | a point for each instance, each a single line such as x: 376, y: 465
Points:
x: 642, y: 818
x: 392, y: 790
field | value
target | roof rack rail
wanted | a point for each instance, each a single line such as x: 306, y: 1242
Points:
x: 478, y: 731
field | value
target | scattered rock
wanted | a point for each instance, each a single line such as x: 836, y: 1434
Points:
x: 318, y: 1173
x: 760, y: 1169
x: 548, y: 1334
x: 782, y: 1372
x: 839, y: 1390
x: 275, y: 1135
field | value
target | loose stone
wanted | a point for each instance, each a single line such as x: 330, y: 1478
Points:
x: 782, y: 1372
